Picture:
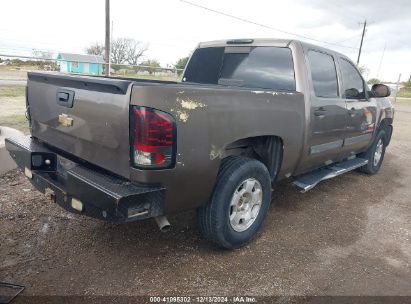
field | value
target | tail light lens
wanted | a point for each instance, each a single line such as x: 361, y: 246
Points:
x: 153, y: 138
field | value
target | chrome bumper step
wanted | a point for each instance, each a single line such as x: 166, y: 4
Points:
x: 308, y: 181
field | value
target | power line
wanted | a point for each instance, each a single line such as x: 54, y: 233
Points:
x: 352, y: 37
x: 263, y: 25
x: 28, y: 49
x: 120, y: 64
x: 25, y: 41
x: 382, y: 57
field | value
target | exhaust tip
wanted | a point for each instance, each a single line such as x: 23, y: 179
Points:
x: 165, y: 228
x: 163, y: 224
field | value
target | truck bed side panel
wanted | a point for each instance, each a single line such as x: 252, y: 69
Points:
x: 208, y: 119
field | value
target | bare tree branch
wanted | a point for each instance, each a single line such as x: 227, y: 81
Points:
x: 127, y: 50
x: 42, y: 54
x: 119, y: 50
x: 135, y: 51
x: 95, y: 49
x: 123, y: 50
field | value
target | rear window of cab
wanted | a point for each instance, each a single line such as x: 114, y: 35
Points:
x: 261, y: 67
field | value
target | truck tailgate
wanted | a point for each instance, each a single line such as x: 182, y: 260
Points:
x: 95, y: 128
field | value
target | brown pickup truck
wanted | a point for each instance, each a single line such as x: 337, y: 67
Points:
x: 248, y: 113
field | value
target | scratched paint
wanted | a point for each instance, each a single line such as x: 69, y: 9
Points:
x: 191, y: 104
x: 216, y: 152
x: 182, y: 115
x: 184, y: 106
x: 272, y: 93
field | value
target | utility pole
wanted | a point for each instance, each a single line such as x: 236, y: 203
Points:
x: 362, y: 39
x: 397, y: 87
x: 111, y: 43
x: 107, y: 40
x: 382, y: 57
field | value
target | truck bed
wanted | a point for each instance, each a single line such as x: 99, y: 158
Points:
x: 96, y: 127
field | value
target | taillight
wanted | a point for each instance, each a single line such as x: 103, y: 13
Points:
x: 153, y: 138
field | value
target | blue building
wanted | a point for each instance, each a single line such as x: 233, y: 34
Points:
x: 78, y: 63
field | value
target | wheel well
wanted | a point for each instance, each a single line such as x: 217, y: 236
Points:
x: 386, y: 125
x: 267, y: 149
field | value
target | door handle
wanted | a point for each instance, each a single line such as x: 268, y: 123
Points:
x: 320, y: 112
x: 352, y: 112
x: 65, y: 98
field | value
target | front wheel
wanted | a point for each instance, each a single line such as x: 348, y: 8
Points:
x: 375, y: 154
x: 239, y: 203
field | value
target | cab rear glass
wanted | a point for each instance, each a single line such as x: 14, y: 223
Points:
x: 252, y: 67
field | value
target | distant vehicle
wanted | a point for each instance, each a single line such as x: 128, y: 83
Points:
x: 249, y: 112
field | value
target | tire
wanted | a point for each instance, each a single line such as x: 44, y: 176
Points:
x: 239, y: 203
x: 375, y: 154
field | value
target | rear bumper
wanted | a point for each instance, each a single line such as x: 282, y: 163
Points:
x: 81, y: 189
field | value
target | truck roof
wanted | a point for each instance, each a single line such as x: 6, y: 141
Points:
x: 262, y: 42
x: 247, y: 42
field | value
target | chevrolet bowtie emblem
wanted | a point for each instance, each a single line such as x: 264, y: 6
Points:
x: 65, y: 120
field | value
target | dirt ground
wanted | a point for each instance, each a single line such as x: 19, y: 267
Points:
x: 11, y: 105
x: 348, y: 236
x: 15, y: 73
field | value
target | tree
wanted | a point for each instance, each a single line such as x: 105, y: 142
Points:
x: 96, y: 48
x: 41, y: 54
x: 116, y: 67
x: 127, y: 50
x: 181, y: 64
x: 123, y: 50
x: 363, y: 70
x: 374, y: 81
x: 407, y: 84
x: 151, y: 65
x: 119, y: 51
x: 135, y: 51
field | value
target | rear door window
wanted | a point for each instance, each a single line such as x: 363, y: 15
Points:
x: 323, y: 74
x: 204, y: 65
x: 254, y: 67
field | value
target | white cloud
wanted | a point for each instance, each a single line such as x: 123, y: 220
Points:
x: 173, y: 28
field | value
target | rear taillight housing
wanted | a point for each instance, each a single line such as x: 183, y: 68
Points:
x: 153, y: 138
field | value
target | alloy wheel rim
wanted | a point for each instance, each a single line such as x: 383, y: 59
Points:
x: 378, y: 152
x: 245, y: 204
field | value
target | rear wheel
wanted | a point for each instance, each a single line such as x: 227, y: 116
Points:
x: 375, y: 154
x: 239, y: 203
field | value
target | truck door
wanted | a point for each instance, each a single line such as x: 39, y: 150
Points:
x: 328, y: 112
x: 361, y: 116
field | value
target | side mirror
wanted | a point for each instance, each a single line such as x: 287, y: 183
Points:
x: 380, y: 90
